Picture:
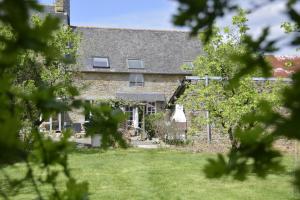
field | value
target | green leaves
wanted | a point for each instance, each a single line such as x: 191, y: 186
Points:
x: 16, y: 17
x: 255, y: 154
x: 201, y: 14
x: 216, y: 168
x: 243, y: 111
x: 76, y: 190
x: 11, y: 148
x: 105, y: 121
x: 33, y: 73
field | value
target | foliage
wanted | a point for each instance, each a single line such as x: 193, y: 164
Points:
x: 105, y: 120
x: 154, y: 125
x: 201, y: 14
x: 226, y: 106
x: 33, y: 70
x: 255, y: 151
x: 35, y: 79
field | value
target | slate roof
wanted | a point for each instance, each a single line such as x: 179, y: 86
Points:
x: 162, y: 52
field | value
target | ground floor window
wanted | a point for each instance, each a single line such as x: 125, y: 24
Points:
x: 129, y: 112
x: 136, y: 114
x: 87, y: 116
x: 151, y: 108
x: 53, y: 123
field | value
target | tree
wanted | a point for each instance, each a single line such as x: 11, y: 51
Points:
x: 226, y: 106
x: 32, y: 70
x: 201, y: 15
x: 34, y: 74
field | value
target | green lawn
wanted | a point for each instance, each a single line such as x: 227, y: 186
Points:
x: 164, y: 174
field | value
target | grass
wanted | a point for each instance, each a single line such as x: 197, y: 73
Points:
x: 163, y: 174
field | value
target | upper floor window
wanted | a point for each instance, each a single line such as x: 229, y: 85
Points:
x: 101, y: 62
x: 129, y: 112
x: 136, y: 80
x: 135, y: 64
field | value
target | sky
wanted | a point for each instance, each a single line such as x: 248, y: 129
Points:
x: 157, y: 14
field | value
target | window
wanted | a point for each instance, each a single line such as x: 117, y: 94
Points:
x: 100, y: 62
x: 189, y: 64
x: 135, y: 64
x: 136, y: 80
x: 129, y: 112
x: 151, y: 108
x: 54, y: 122
x: 69, y: 58
x: 69, y: 45
x: 88, y: 115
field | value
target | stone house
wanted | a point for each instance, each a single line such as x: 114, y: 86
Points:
x: 141, y: 66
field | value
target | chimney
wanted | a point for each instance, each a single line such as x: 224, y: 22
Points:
x: 62, y: 6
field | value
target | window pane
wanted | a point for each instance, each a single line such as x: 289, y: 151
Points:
x: 135, y: 64
x: 100, y: 62
x: 136, y: 80
x: 151, y: 108
x: 139, y: 78
x: 189, y: 64
x: 129, y: 111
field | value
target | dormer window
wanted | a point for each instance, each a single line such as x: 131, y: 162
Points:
x: 135, y: 64
x: 189, y: 64
x: 100, y: 62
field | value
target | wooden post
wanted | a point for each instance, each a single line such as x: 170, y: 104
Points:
x: 59, y: 122
x: 208, y: 127
x: 143, y: 125
x: 50, y: 124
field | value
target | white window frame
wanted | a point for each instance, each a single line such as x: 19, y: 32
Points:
x: 130, y: 111
x: 189, y: 63
x: 151, y: 105
x: 50, y: 121
x: 90, y: 114
x: 100, y: 57
x: 136, y: 83
x: 142, y: 63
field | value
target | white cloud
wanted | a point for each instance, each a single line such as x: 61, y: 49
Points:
x: 272, y: 16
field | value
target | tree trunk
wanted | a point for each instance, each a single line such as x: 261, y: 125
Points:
x: 233, y: 141
x: 234, y: 147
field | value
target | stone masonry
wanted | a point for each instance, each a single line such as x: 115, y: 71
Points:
x: 96, y: 86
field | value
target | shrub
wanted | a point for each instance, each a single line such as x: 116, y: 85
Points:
x: 155, y: 125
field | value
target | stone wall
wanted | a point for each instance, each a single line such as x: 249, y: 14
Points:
x: 96, y: 86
